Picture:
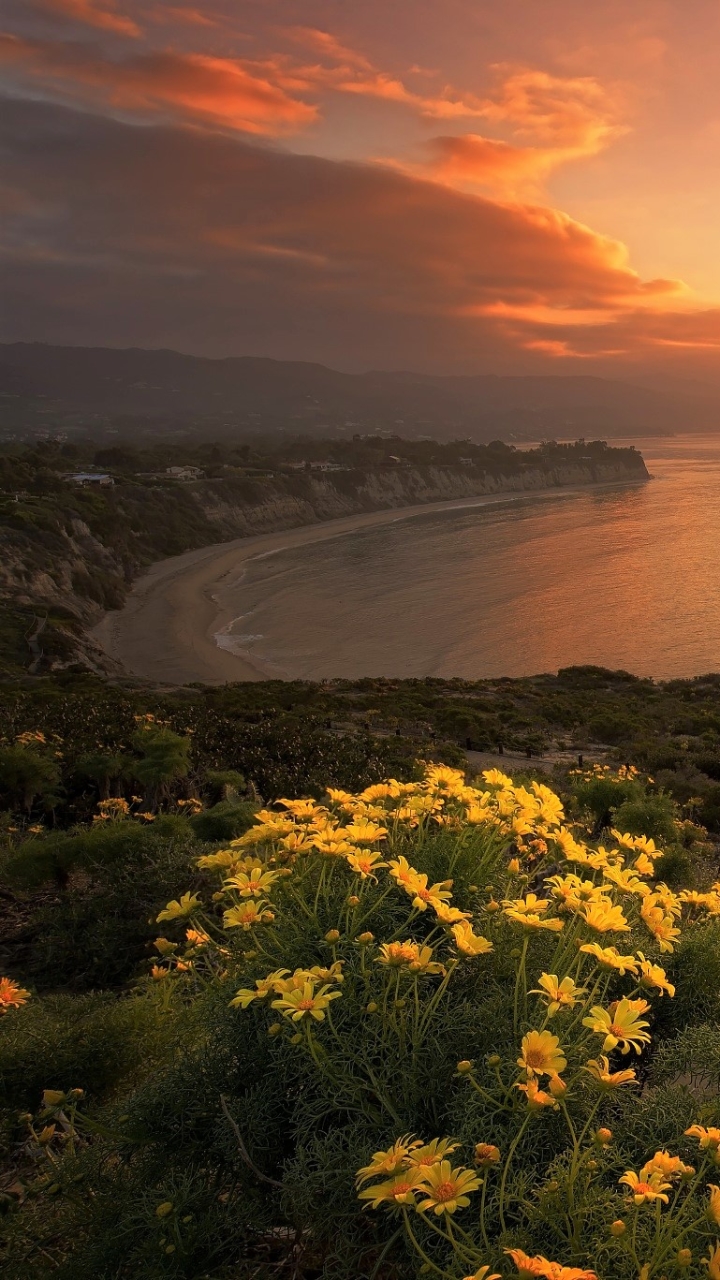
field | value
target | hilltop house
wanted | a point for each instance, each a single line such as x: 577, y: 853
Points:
x: 86, y: 479
x: 184, y: 473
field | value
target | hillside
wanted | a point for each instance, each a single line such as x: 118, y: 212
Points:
x: 45, y: 387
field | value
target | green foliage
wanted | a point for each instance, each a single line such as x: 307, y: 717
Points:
x: 62, y: 1039
x: 232, y: 1148
x: 113, y: 879
x: 224, y: 821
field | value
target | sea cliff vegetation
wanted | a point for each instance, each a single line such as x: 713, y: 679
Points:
x: 433, y: 1024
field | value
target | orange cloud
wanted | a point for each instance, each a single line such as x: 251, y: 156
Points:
x: 88, y: 13
x: 564, y: 119
x: 194, y: 87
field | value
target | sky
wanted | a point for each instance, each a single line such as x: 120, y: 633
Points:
x: 452, y: 186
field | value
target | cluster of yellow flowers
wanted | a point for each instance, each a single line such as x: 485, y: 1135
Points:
x: 580, y: 898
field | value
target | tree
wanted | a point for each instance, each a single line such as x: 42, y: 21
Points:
x: 25, y: 774
x: 165, y: 757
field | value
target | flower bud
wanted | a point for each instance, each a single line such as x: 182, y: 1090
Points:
x: 684, y: 1257
x: 557, y: 1086
x: 464, y: 1067
x: 296, y: 1039
x: 274, y: 1029
x: 52, y: 1097
x: 353, y: 900
x: 603, y: 1136
x: 400, y: 1004
x: 164, y: 1209
x: 514, y: 866
x: 592, y: 1164
x: 486, y: 1154
x: 332, y: 935
x: 371, y: 1007
x: 494, y: 1060
x: 365, y: 938
x: 515, y: 953
x: 618, y: 1228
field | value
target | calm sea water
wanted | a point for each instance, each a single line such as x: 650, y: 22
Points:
x: 626, y: 578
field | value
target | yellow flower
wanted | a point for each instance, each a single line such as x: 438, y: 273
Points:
x: 709, y: 1139
x: 11, y: 995
x: 610, y: 958
x: 559, y: 995
x: 176, y: 910
x: 483, y: 1273
x: 405, y: 875
x: 469, y: 943
x: 599, y: 1069
x: 625, y: 879
x: 446, y: 1189
x: 389, y: 1161
x: 274, y: 982
x: 252, y: 884
x: 668, y: 1166
x: 496, y: 778
x: 431, y: 1153
x: 537, y: 1098
x: 531, y: 919
x: 528, y: 1267
x: 363, y: 832
x: 365, y: 862
x: 398, y: 1190
x: 621, y: 1025
x: 450, y: 915
x: 530, y: 905
x: 541, y: 1055
x: 196, y: 937
x: 712, y: 1262
x: 158, y: 972
x: 653, y: 976
x: 214, y: 861
x: 246, y: 915
x: 164, y: 946
x: 436, y: 895
x: 305, y: 1002
x: 646, y: 1190
x: 658, y: 921
x: 486, y: 1154
x: 409, y: 955
x: 603, y: 917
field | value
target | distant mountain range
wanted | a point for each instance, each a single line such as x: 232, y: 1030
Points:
x: 256, y: 394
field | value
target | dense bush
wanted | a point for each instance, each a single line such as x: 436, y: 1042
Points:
x: 420, y: 1029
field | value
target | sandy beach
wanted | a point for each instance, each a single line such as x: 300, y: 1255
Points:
x: 165, y: 632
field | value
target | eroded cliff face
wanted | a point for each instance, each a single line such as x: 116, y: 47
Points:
x: 64, y: 582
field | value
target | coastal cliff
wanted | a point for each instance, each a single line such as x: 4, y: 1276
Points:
x: 266, y: 506
x: 68, y: 559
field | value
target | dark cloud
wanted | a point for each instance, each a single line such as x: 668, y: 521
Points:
x: 158, y: 236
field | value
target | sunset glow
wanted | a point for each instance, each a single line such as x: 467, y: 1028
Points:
x: 462, y: 187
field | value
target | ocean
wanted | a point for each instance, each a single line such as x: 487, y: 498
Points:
x: 624, y: 577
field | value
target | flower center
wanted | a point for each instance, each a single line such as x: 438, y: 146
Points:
x: 401, y: 1189
x: 306, y: 1004
x: 446, y: 1191
x: 535, y: 1058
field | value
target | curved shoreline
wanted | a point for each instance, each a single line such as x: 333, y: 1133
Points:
x: 165, y: 632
